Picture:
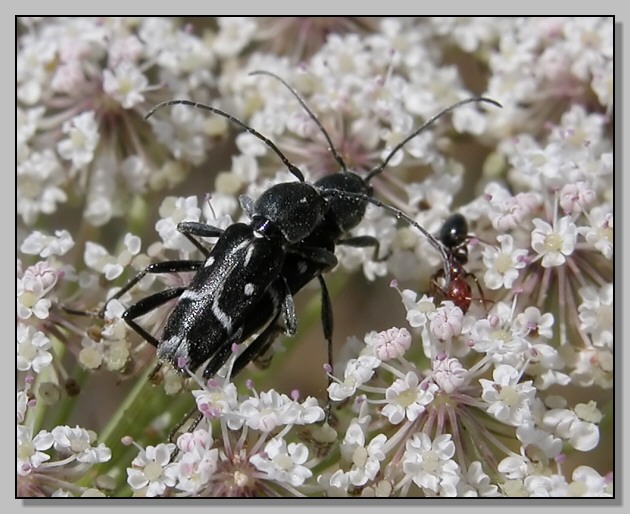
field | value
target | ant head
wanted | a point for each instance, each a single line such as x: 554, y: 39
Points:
x: 454, y: 231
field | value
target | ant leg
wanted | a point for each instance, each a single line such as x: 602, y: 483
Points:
x: 482, y: 296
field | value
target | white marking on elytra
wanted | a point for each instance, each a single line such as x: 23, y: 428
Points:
x: 209, y: 262
x: 302, y: 267
x: 221, y: 316
x: 249, y: 289
x: 248, y: 255
x: 191, y: 294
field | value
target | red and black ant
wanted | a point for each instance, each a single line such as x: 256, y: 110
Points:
x: 454, y: 237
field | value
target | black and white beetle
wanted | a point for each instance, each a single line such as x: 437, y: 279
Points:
x: 248, y: 280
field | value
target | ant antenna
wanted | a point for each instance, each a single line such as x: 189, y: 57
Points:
x: 294, y: 170
x: 399, y: 215
x: 426, y: 124
x: 331, y: 147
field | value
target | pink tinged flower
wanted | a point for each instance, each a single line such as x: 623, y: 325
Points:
x: 197, y: 463
x: 34, y: 284
x: 125, y: 84
x: 407, y: 398
x: 390, y: 344
x: 449, y: 374
x: 576, y: 197
x: 430, y: 464
x: 599, y: 233
x: 503, y: 264
x: 283, y: 463
x: 30, y: 450
x: 554, y: 245
x: 148, y: 470
x: 508, y: 401
x: 82, y: 140
x: 32, y: 349
x: 447, y: 321
x: 216, y: 399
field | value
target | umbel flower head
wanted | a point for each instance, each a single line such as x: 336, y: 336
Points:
x: 501, y: 388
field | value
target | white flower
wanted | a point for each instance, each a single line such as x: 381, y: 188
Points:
x: 83, y: 138
x: 357, y: 372
x: 283, y: 463
x: 476, y: 483
x: 430, y: 464
x: 596, y: 314
x: 534, y: 324
x: 234, y: 34
x: 34, y: 284
x: 268, y: 411
x: 78, y: 441
x: 30, y: 450
x: 502, y: 264
x: 39, y: 180
x: 125, y: 84
x: 365, y: 459
x: 539, y: 445
x: 587, y: 482
x: 92, y: 353
x: 98, y: 258
x: 508, y: 400
x: 174, y: 210
x: 498, y: 337
x: 582, y: 434
x: 554, y: 244
x: 37, y: 243
x: 407, y: 398
x: 600, y: 232
x: 32, y: 349
x: 148, y: 470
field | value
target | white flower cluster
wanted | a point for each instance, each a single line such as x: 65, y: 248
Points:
x: 418, y: 410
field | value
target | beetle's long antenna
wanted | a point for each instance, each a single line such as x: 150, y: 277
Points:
x: 294, y: 170
x: 331, y: 147
x: 425, y: 125
x: 400, y: 215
